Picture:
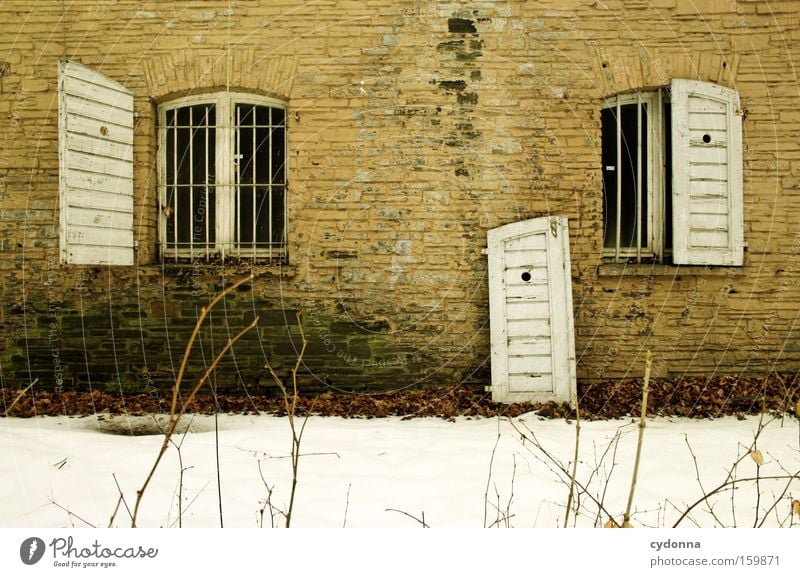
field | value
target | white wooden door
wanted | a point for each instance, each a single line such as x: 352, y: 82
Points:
x: 530, y: 300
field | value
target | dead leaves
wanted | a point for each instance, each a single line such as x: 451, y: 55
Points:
x: 694, y: 397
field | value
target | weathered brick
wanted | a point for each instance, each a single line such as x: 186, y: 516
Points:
x: 412, y: 130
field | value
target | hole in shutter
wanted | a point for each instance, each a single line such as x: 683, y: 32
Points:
x: 706, y: 138
x: 104, y: 131
x: 526, y: 276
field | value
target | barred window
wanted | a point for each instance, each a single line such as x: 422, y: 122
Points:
x: 672, y: 175
x: 222, y: 177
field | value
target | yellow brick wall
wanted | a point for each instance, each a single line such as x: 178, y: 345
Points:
x: 410, y: 136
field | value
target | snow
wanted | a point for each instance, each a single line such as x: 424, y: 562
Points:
x: 63, y: 472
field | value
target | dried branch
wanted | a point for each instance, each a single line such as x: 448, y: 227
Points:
x: 642, y: 424
x: 290, y: 404
x: 418, y: 520
x: 19, y: 396
x: 551, y: 460
x: 346, y: 506
x: 489, y: 481
x: 121, y: 500
x: 175, y: 414
x: 575, y: 460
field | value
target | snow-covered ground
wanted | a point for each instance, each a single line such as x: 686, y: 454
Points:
x: 63, y: 472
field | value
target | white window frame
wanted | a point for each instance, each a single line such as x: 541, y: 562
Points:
x: 653, y: 244
x: 225, y: 185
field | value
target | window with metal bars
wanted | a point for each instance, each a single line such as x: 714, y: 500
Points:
x: 636, y: 176
x: 222, y: 177
x: 672, y: 175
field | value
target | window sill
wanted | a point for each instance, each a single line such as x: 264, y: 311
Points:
x: 666, y: 270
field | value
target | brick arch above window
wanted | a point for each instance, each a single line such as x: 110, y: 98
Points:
x: 622, y: 72
x: 182, y: 73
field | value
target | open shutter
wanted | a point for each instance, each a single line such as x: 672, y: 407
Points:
x: 706, y: 174
x: 530, y: 302
x: 95, y: 128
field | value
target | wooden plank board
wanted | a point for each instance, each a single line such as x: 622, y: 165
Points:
x: 528, y: 328
x: 102, y: 217
x: 527, y: 310
x: 531, y: 382
x: 91, y: 236
x: 709, y: 239
x: 533, y: 241
x: 521, y: 346
x: 530, y: 364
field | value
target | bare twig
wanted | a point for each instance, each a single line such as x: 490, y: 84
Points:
x: 781, y: 496
x: 729, y: 485
x: 575, y: 460
x: 552, y: 461
x: 290, y: 404
x: 489, y: 481
x: 121, y: 500
x: 642, y: 424
x: 216, y: 452
x: 190, y: 503
x: 267, y: 502
x: 699, y: 482
x: 346, y: 506
x: 418, y: 520
x: 19, y: 396
x: 71, y: 514
x: 614, y: 443
x: 175, y: 414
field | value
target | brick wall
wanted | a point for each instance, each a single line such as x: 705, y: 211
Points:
x: 414, y: 127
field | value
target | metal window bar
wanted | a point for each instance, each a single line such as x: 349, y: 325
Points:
x: 191, y: 181
x: 237, y: 161
x: 254, y: 173
x: 207, y: 205
x: 270, y: 129
x: 618, y: 231
x: 175, y: 183
x: 659, y: 161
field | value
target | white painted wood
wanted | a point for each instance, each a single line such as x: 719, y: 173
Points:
x: 522, y: 346
x: 528, y: 292
x: 707, y: 195
x: 101, y: 217
x: 521, y: 365
x: 526, y: 258
x: 530, y: 300
x: 91, y: 236
x: 532, y: 386
x: 96, y: 167
x: 524, y: 310
x: 528, y: 328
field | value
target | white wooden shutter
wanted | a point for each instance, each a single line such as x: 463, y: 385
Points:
x: 530, y: 302
x: 706, y: 174
x: 95, y: 128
